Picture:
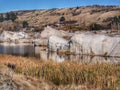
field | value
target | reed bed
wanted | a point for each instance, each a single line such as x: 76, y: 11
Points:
x: 98, y: 75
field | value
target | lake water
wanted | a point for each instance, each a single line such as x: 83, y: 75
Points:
x: 42, y: 54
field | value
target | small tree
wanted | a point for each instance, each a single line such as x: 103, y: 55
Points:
x: 7, y: 16
x: 13, y: 16
x: 25, y: 24
x: 95, y: 26
x: 1, y: 18
x: 62, y: 19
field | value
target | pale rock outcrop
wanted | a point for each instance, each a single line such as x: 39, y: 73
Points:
x: 95, y: 44
x: 24, y: 40
x: 49, y: 31
x: 13, y: 36
x: 56, y: 43
x: 41, y: 42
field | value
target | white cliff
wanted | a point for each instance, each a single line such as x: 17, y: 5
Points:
x: 95, y: 44
x: 49, y: 31
x: 13, y: 36
x: 57, y: 43
x: 79, y: 43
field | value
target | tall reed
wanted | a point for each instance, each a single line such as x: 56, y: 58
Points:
x: 102, y: 75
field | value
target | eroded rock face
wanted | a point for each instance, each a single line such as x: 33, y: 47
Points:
x: 19, y: 37
x: 53, y: 32
x: 36, y: 38
x: 80, y: 43
x: 41, y: 42
x: 13, y: 36
x: 56, y: 43
x: 49, y: 33
x: 88, y: 44
x: 95, y: 44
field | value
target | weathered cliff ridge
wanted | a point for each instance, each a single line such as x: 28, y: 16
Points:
x: 103, y: 43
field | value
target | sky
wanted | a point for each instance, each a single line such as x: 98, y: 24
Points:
x: 13, y: 5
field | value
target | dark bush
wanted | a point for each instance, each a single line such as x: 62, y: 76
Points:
x: 10, y: 16
x: 62, y: 19
x: 13, y: 16
x: 95, y: 26
x: 25, y: 24
x: 1, y: 18
x: 115, y: 22
x: 7, y: 16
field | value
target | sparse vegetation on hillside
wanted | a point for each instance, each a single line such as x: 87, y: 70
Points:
x: 84, y: 17
x: 78, y: 14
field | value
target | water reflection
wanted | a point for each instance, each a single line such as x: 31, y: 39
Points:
x: 41, y: 53
x: 82, y: 58
x: 15, y: 49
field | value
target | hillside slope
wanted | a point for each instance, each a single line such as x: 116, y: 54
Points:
x: 87, y: 15
x: 101, y: 17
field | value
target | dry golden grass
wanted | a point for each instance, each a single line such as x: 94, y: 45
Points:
x: 104, y: 75
x: 84, y: 14
x: 22, y: 62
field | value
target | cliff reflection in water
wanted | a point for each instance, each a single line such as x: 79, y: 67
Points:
x: 41, y: 53
x: 16, y: 49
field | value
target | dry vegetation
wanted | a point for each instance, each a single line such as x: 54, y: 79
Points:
x: 77, y: 18
x: 104, y: 75
x: 84, y: 16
